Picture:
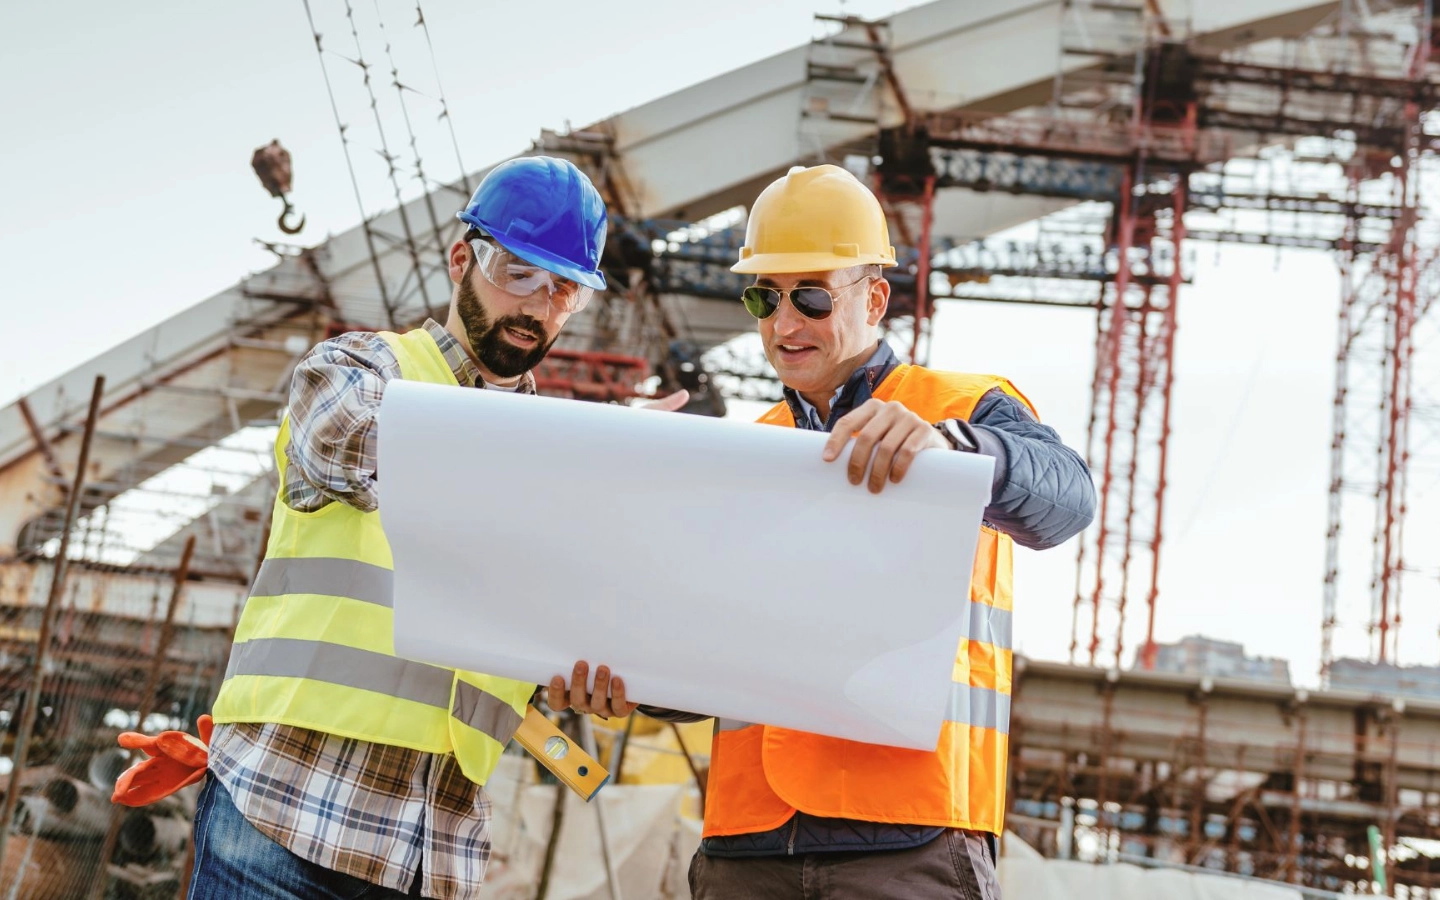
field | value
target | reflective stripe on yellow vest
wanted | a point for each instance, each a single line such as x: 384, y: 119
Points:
x: 760, y: 775
x: 314, y: 647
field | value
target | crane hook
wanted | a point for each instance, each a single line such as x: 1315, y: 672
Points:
x: 272, y: 166
x: 285, y: 214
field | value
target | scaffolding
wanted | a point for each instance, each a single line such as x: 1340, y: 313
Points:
x: 1322, y: 143
x: 1225, y: 775
x: 1155, y: 141
x: 1319, y: 143
x: 1149, y: 140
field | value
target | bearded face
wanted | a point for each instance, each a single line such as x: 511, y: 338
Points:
x: 508, y: 346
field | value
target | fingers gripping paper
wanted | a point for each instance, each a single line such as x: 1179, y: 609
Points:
x: 719, y: 567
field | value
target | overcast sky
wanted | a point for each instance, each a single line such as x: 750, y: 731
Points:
x: 128, y: 196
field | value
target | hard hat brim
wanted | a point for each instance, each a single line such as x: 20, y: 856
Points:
x: 552, y: 263
x: 794, y: 263
x: 538, y: 257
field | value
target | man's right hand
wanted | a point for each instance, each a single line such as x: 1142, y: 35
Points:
x: 607, y: 700
x: 887, y: 430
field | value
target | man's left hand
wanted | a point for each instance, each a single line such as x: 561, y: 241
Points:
x: 887, y: 431
x: 608, y: 698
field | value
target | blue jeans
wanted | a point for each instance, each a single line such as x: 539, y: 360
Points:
x: 234, y: 861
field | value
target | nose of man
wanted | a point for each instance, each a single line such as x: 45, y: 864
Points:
x: 537, y: 306
x: 788, y: 321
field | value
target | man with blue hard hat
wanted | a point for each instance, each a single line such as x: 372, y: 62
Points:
x: 335, y: 768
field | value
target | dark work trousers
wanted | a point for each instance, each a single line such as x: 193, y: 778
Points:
x: 957, y: 864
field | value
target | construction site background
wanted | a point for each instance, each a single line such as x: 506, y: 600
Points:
x: 135, y: 490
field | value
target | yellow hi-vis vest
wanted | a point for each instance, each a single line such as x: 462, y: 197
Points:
x: 760, y: 775
x: 314, y: 647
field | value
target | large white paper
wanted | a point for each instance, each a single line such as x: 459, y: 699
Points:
x: 718, y: 567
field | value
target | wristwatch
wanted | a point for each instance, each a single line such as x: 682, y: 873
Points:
x: 958, y: 434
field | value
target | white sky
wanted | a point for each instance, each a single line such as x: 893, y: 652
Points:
x: 128, y: 196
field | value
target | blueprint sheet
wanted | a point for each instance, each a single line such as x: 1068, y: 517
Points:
x: 718, y: 567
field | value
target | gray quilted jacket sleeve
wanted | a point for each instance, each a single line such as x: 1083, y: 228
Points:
x: 1042, y: 494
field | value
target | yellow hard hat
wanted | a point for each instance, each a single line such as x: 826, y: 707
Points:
x: 815, y: 220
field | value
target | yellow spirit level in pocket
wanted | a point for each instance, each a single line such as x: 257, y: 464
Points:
x: 559, y: 753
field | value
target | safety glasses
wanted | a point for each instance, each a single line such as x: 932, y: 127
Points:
x: 515, y: 276
x: 811, y: 302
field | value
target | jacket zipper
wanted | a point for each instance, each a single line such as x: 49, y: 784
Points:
x: 794, y: 829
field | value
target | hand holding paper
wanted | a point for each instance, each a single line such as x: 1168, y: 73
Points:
x: 606, y: 700
x: 887, y: 437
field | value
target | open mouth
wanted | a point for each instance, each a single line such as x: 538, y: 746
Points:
x: 792, y: 353
x: 521, y: 338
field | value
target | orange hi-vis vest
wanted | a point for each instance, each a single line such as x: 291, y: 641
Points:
x: 761, y: 775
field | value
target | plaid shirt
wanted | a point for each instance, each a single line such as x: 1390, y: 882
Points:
x: 334, y: 398
x: 371, y: 811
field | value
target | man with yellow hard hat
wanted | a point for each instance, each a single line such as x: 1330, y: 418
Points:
x: 796, y: 815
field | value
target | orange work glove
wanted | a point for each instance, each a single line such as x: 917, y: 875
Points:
x: 176, y: 760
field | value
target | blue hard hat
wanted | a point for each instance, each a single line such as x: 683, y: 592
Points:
x: 545, y: 211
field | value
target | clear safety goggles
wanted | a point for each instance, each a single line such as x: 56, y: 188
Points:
x: 519, y: 278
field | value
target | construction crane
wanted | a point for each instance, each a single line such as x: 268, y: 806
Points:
x: 1151, y: 113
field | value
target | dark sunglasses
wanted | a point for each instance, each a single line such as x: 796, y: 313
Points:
x: 810, y: 302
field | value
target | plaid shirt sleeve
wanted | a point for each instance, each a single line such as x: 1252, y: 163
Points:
x: 334, y: 397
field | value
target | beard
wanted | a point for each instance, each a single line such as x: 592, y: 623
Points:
x: 495, y: 353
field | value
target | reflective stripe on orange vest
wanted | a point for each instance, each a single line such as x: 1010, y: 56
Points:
x: 760, y: 775
x: 979, y: 707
